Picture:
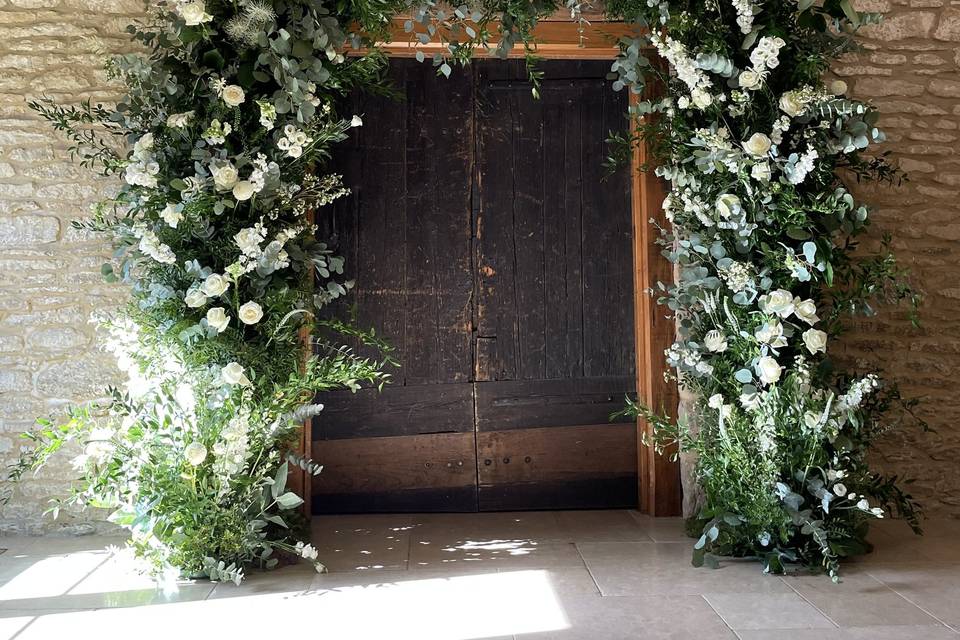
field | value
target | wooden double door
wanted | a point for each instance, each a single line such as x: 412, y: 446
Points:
x: 492, y: 249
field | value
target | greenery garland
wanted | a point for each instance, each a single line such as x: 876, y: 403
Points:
x: 230, y: 115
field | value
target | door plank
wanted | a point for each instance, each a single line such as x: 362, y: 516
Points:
x: 558, y: 467
x: 434, y: 472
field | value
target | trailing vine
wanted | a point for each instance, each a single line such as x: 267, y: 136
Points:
x: 229, y: 116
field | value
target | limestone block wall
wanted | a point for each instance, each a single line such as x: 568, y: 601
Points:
x: 49, y: 272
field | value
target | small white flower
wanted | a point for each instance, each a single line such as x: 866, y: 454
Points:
x: 701, y: 98
x: 768, y: 369
x: 815, y: 341
x: 195, y: 453
x: 306, y: 551
x: 728, y: 205
x: 295, y: 151
x: 758, y: 145
x: 194, y: 13
x: 224, y: 176
x: 356, y: 121
x: 250, y: 313
x: 863, y: 505
x: 806, y: 310
x: 171, y: 215
x: 215, y: 285
x: 243, y: 190
x: 715, y: 401
x: 233, y: 95
x: 877, y: 512
x: 218, y: 319
x: 779, y: 302
x: 715, y: 341
x: 760, y: 172
x: 811, y: 420
x: 195, y: 298
x: 840, y: 489
x: 233, y: 373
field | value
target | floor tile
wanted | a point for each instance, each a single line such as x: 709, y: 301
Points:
x: 663, y: 529
x: 569, y: 580
x: 767, y: 611
x: 635, y: 617
x: 860, y: 600
x: 638, y: 568
x: 935, y: 588
x: 602, y: 526
x: 492, y: 552
x: 853, y: 633
x: 367, y: 542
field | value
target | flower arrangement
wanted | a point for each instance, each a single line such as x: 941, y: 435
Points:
x: 229, y: 117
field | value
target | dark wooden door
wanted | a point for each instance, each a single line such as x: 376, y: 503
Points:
x: 491, y: 250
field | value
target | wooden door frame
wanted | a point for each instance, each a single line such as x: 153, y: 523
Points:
x: 561, y: 39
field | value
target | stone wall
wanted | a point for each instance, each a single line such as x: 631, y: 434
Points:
x: 49, y: 272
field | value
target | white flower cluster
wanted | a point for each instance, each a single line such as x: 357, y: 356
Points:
x: 745, y: 13
x: 265, y: 260
x: 766, y: 55
x: 696, y: 79
x: 268, y: 114
x: 232, y: 449
x: 150, y: 245
x: 143, y: 167
x: 217, y: 132
x: 293, y: 141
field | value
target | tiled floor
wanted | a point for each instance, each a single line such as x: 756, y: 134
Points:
x: 597, y: 575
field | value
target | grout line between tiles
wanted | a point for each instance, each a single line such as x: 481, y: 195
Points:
x: 719, y: 615
x: 954, y: 628
x: 596, y: 584
x: 807, y: 600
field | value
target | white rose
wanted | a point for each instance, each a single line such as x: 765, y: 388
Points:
x: 233, y: 95
x: 728, y: 205
x: 806, y: 311
x: 750, y: 79
x: 218, y: 319
x: 215, y: 285
x: 194, y: 13
x: 243, y: 190
x: 224, y: 176
x: 715, y: 401
x: 715, y: 341
x: 768, y: 370
x: 840, y: 489
x: 195, y: 453
x: 815, y: 340
x: 295, y: 151
x: 233, y: 373
x: 838, y: 87
x: 791, y: 104
x: 248, y: 240
x: 195, y: 298
x: 356, y: 121
x: 171, y: 215
x: 760, y: 171
x: 758, y: 145
x: 250, y: 313
x: 779, y: 302
x: 701, y: 98
x: 771, y: 333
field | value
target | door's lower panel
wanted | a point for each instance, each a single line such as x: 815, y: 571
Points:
x: 558, y: 467
x: 431, y: 472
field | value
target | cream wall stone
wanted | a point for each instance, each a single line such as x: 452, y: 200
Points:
x: 49, y: 272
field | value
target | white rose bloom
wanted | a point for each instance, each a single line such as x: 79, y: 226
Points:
x: 771, y: 333
x: 233, y: 373
x: 215, y: 285
x: 750, y: 80
x: 715, y: 341
x: 806, y: 310
x: 356, y: 121
x: 218, y: 319
x: 243, y: 190
x: 295, y: 151
x: 768, y: 370
x: 701, y: 98
x: 715, y: 401
x: 758, y: 145
x: 815, y: 340
x: 171, y: 215
x: 224, y: 176
x: 791, y: 104
x: 250, y: 313
x: 779, y: 302
x: 248, y: 240
x: 194, y: 13
x: 233, y: 95
x: 728, y: 205
x: 195, y: 298
x: 195, y: 453
x: 760, y: 171
x: 840, y: 489
x: 838, y: 87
